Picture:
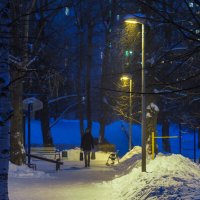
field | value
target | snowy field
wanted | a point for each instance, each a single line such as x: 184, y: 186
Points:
x: 168, y: 177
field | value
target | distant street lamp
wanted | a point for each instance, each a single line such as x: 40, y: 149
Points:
x: 31, y: 105
x: 128, y: 77
x: 139, y: 19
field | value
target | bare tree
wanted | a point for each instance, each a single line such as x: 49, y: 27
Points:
x: 79, y: 13
x: 108, y: 15
x: 5, y: 104
x: 19, y: 42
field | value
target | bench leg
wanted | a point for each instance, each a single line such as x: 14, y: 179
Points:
x: 57, y: 166
x: 57, y: 154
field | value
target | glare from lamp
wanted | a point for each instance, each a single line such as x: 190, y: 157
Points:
x: 131, y: 21
x: 125, y: 78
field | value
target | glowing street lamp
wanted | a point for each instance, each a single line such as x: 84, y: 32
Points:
x: 139, y: 19
x: 128, y: 77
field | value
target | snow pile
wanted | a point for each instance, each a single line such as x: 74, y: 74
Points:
x: 167, y: 177
x: 101, y: 156
x: 136, y: 150
x: 129, y: 160
x: 25, y: 172
x: 73, y: 154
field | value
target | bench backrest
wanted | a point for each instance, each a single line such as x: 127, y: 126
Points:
x: 43, y: 149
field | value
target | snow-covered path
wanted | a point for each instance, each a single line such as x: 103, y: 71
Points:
x: 72, y: 182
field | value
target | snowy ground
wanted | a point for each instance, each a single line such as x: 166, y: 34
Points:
x: 168, y: 177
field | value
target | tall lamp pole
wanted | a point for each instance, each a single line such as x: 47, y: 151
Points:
x: 134, y: 19
x: 126, y: 77
x: 143, y: 103
x: 130, y: 115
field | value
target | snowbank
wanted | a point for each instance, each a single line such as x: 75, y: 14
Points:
x: 130, y: 160
x: 25, y: 172
x: 167, y: 177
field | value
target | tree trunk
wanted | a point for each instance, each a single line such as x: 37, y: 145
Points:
x: 46, y: 134
x: 4, y: 106
x: 102, y: 130
x: 151, y: 123
x: 88, y: 81
x: 104, y: 112
x: 105, y: 68
x: 4, y: 150
x: 198, y: 138
x: 17, y: 152
x: 16, y: 141
x: 102, y: 92
x: 80, y: 106
x: 165, y: 132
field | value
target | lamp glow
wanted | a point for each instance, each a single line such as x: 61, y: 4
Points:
x: 131, y: 21
x: 125, y: 78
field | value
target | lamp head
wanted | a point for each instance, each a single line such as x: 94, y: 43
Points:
x: 126, y: 77
x: 131, y: 21
x: 135, y: 19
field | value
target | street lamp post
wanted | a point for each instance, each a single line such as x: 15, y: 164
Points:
x: 126, y: 77
x: 135, y: 19
x: 130, y: 115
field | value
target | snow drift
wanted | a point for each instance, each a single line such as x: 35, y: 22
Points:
x: 168, y: 177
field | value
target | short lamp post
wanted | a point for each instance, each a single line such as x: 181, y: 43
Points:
x: 128, y: 77
x: 139, y: 19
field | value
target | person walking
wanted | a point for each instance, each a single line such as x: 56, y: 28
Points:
x: 87, y: 144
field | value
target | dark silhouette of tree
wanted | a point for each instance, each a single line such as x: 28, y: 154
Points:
x: 5, y: 101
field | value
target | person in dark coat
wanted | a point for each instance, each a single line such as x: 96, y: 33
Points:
x: 87, y: 144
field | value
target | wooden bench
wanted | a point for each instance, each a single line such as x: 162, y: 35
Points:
x: 47, y: 152
x: 57, y: 161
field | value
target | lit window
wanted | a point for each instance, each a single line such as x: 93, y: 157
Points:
x: 118, y: 17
